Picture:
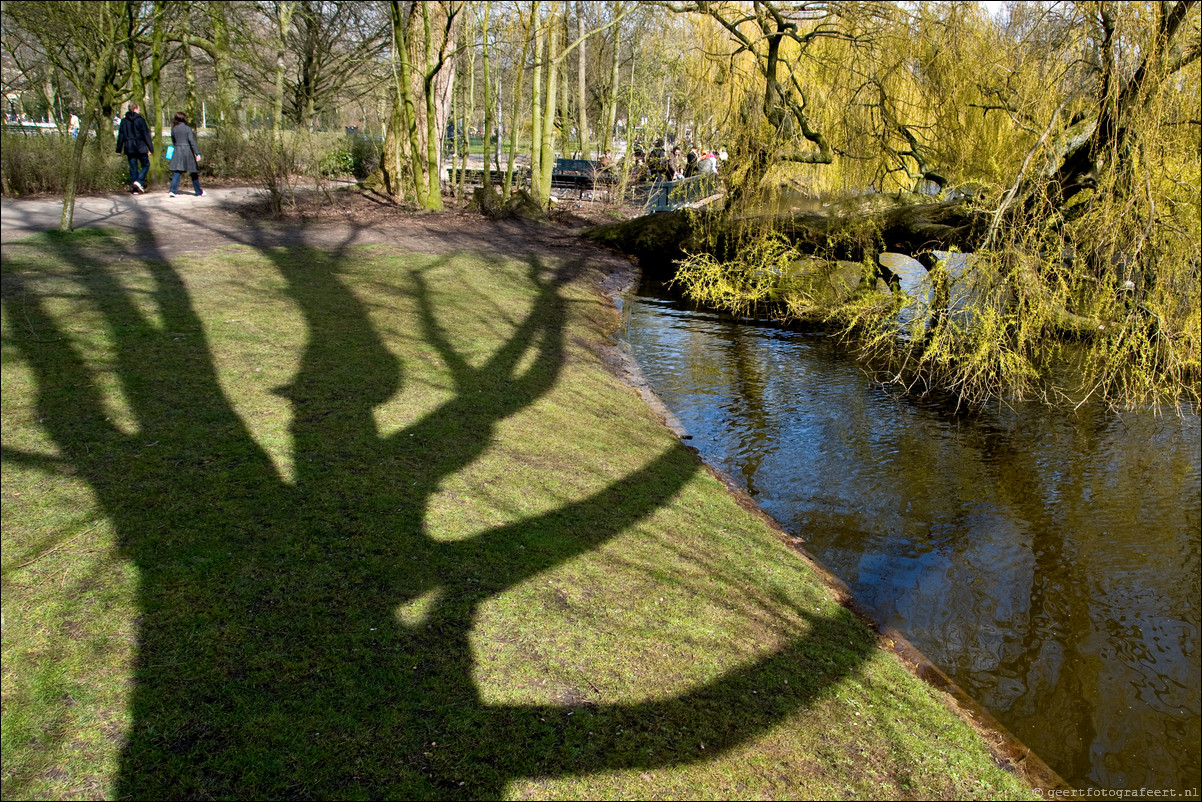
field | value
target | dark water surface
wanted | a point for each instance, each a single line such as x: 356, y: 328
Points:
x: 1048, y: 561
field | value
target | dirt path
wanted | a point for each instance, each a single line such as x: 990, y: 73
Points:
x: 155, y: 211
x: 226, y: 215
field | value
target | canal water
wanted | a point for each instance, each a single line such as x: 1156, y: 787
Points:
x: 1047, y: 561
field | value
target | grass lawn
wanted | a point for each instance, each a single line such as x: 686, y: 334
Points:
x: 348, y: 523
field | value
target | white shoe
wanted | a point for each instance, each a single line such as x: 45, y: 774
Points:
x: 138, y: 188
x: 171, y: 194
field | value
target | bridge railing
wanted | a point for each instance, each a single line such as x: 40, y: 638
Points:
x: 668, y: 196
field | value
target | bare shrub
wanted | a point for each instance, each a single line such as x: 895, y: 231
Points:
x: 273, y: 165
x: 34, y: 164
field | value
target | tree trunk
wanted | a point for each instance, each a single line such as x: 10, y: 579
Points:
x: 407, y: 135
x: 467, y: 114
x: 517, y: 104
x: 102, y: 72
x: 137, y: 87
x: 154, y: 114
x: 51, y: 95
x: 581, y: 90
x: 536, y: 107
x: 412, y: 141
x: 563, y: 114
x: 218, y: 49
x: 488, y: 99
x: 228, y: 96
x: 190, y: 103
x: 611, y: 100
x: 843, y: 232
x: 546, y: 158
x: 283, y: 23
x: 67, y: 220
x: 433, y: 157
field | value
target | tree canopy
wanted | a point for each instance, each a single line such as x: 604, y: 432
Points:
x: 1058, y: 142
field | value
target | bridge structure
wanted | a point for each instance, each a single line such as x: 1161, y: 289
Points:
x: 588, y: 176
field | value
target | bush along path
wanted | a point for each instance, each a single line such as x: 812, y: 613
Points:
x: 339, y: 520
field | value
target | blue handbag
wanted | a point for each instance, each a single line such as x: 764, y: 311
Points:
x: 169, y: 152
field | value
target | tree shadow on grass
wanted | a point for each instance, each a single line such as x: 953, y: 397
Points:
x: 271, y: 659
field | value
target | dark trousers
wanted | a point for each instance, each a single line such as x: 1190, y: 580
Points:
x: 176, y: 175
x: 139, y: 166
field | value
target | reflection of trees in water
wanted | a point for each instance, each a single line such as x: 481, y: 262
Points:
x: 1011, y: 586
x: 1047, y: 560
x: 272, y: 607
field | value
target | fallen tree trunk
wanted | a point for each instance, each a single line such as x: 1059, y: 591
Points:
x: 855, y: 230
x: 851, y: 230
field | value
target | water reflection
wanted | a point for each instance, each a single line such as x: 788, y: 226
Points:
x: 1049, y: 562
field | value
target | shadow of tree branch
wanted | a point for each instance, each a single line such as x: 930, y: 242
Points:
x: 271, y: 660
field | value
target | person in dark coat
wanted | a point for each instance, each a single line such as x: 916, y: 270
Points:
x: 186, y: 158
x: 135, y: 141
x: 690, y: 165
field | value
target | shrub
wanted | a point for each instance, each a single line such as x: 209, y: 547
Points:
x: 365, y: 156
x: 232, y: 152
x: 273, y: 163
x: 33, y: 164
x: 339, y: 161
x: 229, y: 153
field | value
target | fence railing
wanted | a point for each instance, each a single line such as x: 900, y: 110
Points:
x: 668, y: 196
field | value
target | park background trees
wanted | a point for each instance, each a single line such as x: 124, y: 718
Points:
x: 1058, y: 141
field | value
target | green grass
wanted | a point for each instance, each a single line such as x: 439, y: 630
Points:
x: 284, y: 522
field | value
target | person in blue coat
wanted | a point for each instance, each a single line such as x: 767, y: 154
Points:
x: 186, y: 156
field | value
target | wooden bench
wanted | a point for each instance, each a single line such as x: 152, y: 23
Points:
x: 475, y: 175
x: 578, y: 174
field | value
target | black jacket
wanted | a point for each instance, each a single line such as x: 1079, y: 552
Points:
x: 133, y: 137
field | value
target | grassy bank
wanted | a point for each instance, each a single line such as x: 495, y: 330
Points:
x: 346, y: 523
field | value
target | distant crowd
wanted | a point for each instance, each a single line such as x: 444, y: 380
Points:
x: 658, y: 163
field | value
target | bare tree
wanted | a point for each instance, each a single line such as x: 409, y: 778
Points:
x: 86, y: 42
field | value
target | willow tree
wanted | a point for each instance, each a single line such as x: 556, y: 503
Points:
x: 1059, y: 144
x: 1102, y: 218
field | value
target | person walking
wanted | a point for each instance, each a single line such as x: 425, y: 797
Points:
x: 135, y: 141
x: 185, y: 158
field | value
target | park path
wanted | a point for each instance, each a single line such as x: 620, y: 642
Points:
x: 157, y: 211
x: 189, y: 224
